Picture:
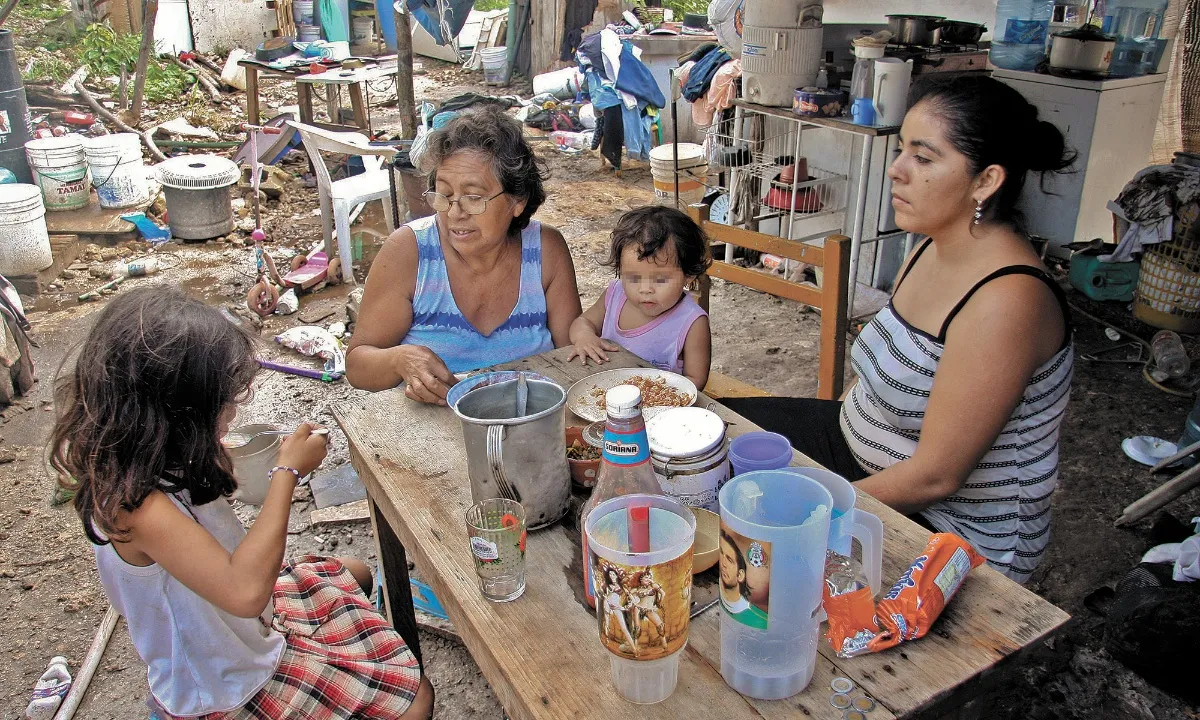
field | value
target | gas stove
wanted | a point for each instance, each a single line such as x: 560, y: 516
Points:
x: 941, y: 58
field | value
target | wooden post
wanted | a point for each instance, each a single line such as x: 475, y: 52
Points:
x: 139, y: 81
x: 835, y: 282
x: 406, y: 102
x: 397, y: 592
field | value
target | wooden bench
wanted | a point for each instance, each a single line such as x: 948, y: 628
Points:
x: 722, y: 386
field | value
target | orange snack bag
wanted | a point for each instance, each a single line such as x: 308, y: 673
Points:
x: 909, y: 609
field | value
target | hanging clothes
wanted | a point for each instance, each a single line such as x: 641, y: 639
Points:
x: 702, y: 72
x: 577, y: 16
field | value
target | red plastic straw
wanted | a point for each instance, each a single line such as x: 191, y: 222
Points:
x: 639, y: 528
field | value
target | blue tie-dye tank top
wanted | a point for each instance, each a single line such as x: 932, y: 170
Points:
x: 439, y: 325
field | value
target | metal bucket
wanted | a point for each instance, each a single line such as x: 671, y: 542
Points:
x: 520, y: 457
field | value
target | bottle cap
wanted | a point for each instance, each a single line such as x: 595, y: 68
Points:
x: 623, y: 401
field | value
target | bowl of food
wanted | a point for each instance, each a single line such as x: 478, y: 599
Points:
x: 583, y: 458
x: 705, y: 548
x: 660, y: 390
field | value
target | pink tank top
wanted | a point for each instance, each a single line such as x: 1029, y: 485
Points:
x: 658, y: 342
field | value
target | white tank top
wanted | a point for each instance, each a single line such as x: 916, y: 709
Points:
x: 199, y: 658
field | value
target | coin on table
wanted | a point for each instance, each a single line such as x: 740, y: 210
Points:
x: 864, y: 703
x: 841, y: 685
x: 854, y: 715
x: 841, y: 701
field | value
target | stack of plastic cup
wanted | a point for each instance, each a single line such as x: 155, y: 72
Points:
x: 640, y: 549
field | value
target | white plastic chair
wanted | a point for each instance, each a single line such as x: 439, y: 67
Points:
x: 340, y: 198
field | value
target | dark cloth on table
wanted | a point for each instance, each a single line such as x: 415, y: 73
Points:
x: 466, y: 100
x: 812, y: 426
x: 701, y: 74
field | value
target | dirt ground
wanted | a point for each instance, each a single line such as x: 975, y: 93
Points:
x: 52, y: 601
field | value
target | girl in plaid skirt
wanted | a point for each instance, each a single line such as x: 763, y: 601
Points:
x: 224, y: 632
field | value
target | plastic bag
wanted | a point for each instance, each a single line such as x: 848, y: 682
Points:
x: 315, y: 341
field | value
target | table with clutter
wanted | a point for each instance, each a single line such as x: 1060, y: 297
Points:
x: 334, y: 77
x: 540, y: 653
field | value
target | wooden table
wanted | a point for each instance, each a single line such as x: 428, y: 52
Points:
x: 335, y: 77
x: 541, y: 653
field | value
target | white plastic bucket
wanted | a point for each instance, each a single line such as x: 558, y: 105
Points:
x: 24, y: 242
x: 562, y: 84
x: 693, y: 169
x: 361, y: 29
x: 308, y: 33
x: 495, y: 62
x: 173, y: 28
x: 302, y: 11
x: 117, y: 171
x: 60, y: 170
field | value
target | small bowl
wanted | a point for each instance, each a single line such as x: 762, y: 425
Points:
x: 583, y: 472
x: 705, y: 548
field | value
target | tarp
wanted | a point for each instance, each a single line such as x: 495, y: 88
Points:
x: 438, y: 15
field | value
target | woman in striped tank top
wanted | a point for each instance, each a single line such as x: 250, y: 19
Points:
x: 963, y: 378
x: 476, y: 284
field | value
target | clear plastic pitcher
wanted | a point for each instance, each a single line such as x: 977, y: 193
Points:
x: 774, y: 534
x: 847, y: 523
x: 640, y: 551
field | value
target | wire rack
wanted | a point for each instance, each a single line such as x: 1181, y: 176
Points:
x: 748, y: 153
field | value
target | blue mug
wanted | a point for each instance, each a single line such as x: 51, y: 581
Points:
x: 862, y: 112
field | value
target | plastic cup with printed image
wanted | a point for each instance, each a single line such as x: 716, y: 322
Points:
x: 497, y: 535
x: 640, y: 550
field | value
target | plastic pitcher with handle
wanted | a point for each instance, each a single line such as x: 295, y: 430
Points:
x: 847, y: 523
x: 774, y: 534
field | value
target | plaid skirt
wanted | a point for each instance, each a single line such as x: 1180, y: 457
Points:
x: 342, y: 658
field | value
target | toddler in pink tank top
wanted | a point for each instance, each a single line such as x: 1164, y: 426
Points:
x: 657, y: 252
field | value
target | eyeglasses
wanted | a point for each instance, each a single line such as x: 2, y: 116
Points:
x: 470, y: 204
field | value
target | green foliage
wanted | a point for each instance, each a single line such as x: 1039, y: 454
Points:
x: 49, y: 67
x: 40, y: 11
x: 105, y: 53
x: 487, y: 5
x: 700, y: 7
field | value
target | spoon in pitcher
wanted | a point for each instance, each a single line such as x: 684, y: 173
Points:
x: 235, y: 440
x: 522, y: 394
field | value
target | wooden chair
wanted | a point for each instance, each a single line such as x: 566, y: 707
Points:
x: 830, y: 298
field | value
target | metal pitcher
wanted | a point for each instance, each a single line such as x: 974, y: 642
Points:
x: 514, y: 428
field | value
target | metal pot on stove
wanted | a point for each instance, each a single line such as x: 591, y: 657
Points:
x: 924, y: 30
x: 958, y: 32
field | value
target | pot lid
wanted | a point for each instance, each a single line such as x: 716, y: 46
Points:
x: 684, y: 432
x: 1087, y: 32
x: 594, y: 434
x: 197, y: 172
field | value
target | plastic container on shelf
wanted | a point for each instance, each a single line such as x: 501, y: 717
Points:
x: 1137, y: 24
x: 1019, y: 38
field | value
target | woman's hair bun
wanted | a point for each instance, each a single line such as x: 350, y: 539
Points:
x: 1047, y: 148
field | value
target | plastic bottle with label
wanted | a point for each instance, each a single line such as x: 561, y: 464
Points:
x: 624, y: 466
x: 1019, y: 36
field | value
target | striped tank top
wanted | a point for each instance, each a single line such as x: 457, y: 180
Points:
x: 439, y: 325
x: 1003, y: 508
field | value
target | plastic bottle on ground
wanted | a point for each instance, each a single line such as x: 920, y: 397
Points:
x: 1169, y: 354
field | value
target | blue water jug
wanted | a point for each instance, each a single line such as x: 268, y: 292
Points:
x: 1136, y: 24
x: 1019, y: 38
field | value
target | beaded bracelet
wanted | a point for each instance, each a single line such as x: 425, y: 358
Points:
x: 293, y: 471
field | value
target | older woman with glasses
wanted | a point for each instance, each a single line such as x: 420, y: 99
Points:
x: 476, y: 284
